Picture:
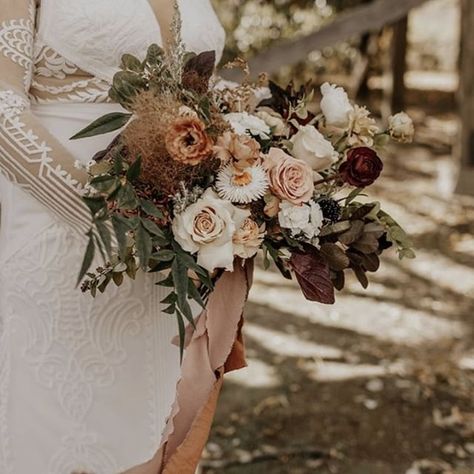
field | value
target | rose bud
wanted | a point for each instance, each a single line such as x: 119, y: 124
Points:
x: 361, y: 168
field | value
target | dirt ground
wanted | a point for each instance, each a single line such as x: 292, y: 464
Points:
x: 382, y: 382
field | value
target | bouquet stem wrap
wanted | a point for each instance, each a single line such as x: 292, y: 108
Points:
x: 214, y: 348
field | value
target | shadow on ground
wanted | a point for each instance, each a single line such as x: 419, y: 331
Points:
x: 380, y: 383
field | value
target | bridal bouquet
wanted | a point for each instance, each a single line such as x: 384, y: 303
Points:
x: 205, y: 172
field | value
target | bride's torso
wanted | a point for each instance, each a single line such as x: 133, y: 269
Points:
x: 84, y: 384
x: 83, y: 42
x: 77, y: 49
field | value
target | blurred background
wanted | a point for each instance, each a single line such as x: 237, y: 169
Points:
x: 383, y: 381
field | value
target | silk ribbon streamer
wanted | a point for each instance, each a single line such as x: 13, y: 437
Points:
x: 215, y: 348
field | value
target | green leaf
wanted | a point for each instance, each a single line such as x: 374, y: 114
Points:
x: 164, y: 255
x: 100, y: 246
x: 118, y: 278
x: 182, y: 334
x: 118, y: 162
x: 189, y: 261
x: 132, y: 63
x: 170, y: 299
x: 107, y: 123
x: 152, y: 228
x: 167, y: 282
x: 121, y: 228
x: 135, y: 168
x: 88, y: 257
x: 193, y: 292
x: 180, y: 278
x: 105, y: 236
x: 95, y: 203
x: 154, y: 55
x: 144, y: 246
x: 127, y: 198
x: 105, y: 183
x: 102, y: 167
x: 151, y: 209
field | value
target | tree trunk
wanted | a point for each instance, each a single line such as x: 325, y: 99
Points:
x: 466, y: 97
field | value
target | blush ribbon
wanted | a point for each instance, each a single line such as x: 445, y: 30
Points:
x: 215, y: 348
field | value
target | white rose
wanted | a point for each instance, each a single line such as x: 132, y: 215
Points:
x: 207, y: 228
x: 306, y: 219
x: 273, y: 120
x: 310, y: 145
x: 335, y: 105
x: 243, y: 123
x: 401, y: 128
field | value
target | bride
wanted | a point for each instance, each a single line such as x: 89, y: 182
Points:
x: 85, y: 384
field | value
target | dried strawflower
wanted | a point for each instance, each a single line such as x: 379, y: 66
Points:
x: 242, y: 186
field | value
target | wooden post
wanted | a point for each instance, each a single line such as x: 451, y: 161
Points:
x: 399, y: 64
x: 466, y: 97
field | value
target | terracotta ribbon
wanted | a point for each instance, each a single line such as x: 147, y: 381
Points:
x: 216, y: 347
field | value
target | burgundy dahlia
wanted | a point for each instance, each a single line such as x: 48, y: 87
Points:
x: 361, y: 168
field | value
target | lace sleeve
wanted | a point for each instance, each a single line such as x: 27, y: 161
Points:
x: 29, y: 155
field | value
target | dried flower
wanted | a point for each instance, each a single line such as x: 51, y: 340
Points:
x: 243, y: 123
x: 362, y: 127
x: 248, y: 238
x: 187, y: 141
x: 361, y: 168
x: 272, y: 205
x: 244, y: 151
x: 401, y: 128
x: 242, y: 186
x: 274, y: 120
x: 290, y: 179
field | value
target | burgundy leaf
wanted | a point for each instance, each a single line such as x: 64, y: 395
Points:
x: 313, y: 275
x: 203, y: 64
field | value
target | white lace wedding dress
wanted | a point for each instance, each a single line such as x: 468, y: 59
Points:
x: 85, y: 384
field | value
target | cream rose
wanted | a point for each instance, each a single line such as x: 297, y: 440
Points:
x: 207, y: 228
x: 248, y: 238
x: 290, y: 179
x: 401, y: 128
x: 243, y: 123
x: 305, y: 220
x: 335, y: 106
x: 310, y: 145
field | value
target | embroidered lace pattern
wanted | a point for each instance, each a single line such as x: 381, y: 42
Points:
x: 29, y: 155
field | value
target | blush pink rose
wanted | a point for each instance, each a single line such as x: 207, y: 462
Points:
x: 290, y: 179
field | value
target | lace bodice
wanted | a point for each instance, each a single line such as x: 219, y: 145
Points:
x: 68, y: 51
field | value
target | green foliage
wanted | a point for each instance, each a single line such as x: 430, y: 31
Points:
x: 107, y: 123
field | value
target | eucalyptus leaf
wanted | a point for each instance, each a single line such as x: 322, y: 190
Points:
x: 132, y: 63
